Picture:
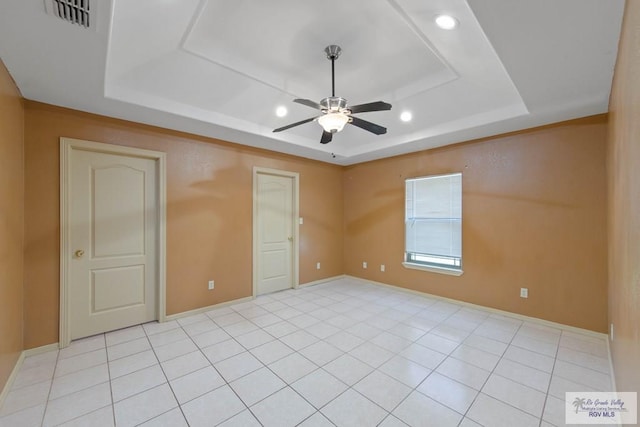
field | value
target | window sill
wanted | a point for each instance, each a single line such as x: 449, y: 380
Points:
x: 441, y: 270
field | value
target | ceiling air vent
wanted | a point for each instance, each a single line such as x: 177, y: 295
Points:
x: 73, y: 11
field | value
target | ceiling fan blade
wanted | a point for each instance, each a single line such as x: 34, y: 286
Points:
x: 326, y: 137
x: 371, y: 106
x: 301, y: 122
x: 308, y: 103
x: 371, y: 127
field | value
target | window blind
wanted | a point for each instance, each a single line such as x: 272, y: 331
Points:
x: 433, y: 220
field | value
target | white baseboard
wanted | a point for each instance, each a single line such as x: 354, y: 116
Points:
x: 16, y: 368
x: 11, y: 379
x: 239, y: 300
x: 531, y: 319
x: 40, y: 350
x: 549, y: 323
x: 490, y: 309
x: 318, y: 282
x: 613, y: 375
x: 205, y: 309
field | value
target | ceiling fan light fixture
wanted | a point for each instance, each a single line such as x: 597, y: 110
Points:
x: 333, y: 122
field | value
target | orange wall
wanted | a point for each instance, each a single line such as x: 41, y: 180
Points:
x: 209, y: 212
x: 550, y: 179
x: 11, y: 223
x: 534, y: 216
x: 624, y: 205
x: 534, y: 207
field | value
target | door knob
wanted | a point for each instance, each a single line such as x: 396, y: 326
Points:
x: 79, y: 253
x: 291, y: 239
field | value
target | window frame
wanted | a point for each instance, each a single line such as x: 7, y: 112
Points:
x: 454, y: 265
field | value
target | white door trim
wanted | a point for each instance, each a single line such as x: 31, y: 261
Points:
x: 296, y: 225
x: 67, y: 145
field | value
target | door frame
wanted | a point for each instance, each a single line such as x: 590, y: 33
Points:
x: 67, y: 146
x: 294, y: 221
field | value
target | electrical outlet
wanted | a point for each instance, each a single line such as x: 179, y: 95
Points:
x: 300, y: 221
x: 317, y: 266
x: 382, y: 267
x: 524, y: 293
x: 364, y: 264
x: 212, y: 284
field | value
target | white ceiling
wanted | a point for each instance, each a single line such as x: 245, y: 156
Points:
x: 220, y: 68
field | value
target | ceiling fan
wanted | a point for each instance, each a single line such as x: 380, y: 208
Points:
x: 336, y: 113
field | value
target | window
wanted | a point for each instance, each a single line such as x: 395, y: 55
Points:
x: 433, y: 223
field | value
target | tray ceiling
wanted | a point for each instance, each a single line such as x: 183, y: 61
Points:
x: 221, y: 69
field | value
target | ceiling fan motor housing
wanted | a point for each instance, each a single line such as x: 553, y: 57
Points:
x: 334, y: 104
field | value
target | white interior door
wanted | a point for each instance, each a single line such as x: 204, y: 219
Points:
x: 113, y: 216
x: 275, y: 232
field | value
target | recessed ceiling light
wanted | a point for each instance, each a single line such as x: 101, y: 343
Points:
x: 281, y: 111
x: 446, y: 22
x: 406, y: 116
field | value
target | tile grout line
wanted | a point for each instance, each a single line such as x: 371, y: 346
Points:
x: 165, y: 377
x: 375, y: 369
x: 53, y: 376
x: 113, y: 405
x: 287, y: 384
x: 317, y: 410
x: 489, y: 376
x: 522, y: 323
x: 415, y: 389
x: 546, y: 396
x: 30, y: 405
x: 354, y: 298
x: 94, y: 385
x: 220, y: 374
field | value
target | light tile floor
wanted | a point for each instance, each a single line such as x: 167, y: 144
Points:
x: 344, y: 353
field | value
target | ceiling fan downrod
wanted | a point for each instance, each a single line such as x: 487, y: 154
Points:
x: 333, y: 52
